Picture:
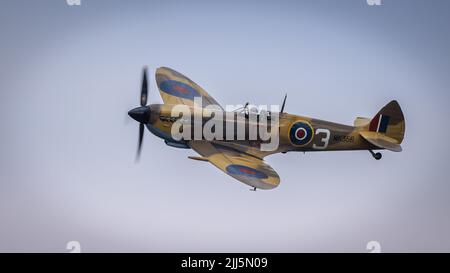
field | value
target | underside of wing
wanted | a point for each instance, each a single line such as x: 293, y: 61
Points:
x: 246, y: 146
x: 175, y: 88
x: 244, y: 167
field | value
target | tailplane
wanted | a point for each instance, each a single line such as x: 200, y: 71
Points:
x: 386, y: 129
x: 361, y: 122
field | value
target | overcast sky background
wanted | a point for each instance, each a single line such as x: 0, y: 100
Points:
x: 69, y: 74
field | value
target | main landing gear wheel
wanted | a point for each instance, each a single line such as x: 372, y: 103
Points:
x: 377, y: 156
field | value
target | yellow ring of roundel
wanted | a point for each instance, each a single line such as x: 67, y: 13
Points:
x: 305, y: 122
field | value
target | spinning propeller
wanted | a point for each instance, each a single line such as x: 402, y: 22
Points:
x: 141, y: 114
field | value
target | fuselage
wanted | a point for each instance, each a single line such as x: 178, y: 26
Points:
x: 296, y: 133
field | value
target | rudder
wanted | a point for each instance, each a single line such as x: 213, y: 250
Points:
x: 389, y: 121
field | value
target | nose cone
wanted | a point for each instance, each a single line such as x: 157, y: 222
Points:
x: 140, y: 114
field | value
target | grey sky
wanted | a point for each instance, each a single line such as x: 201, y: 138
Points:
x: 68, y: 75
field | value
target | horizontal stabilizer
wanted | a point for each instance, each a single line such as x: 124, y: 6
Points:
x: 381, y: 141
x: 360, y: 122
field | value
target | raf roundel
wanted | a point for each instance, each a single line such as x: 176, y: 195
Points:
x: 245, y: 171
x: 179, y: 89
x: 301, y: 133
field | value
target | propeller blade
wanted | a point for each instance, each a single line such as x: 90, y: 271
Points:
x: 144, y: 87
x: 141, y: 138
x: 284, y: 102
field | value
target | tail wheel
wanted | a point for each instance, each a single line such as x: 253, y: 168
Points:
x: 377, y: 156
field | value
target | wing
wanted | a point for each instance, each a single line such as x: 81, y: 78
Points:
x: 176, y: 88
x: 246, y: 168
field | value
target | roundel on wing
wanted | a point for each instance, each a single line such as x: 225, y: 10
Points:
x: 179, y: 89
x: 245, y: 171
x: 301, y: 133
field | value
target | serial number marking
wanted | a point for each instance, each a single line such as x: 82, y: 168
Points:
x: 346, y: 139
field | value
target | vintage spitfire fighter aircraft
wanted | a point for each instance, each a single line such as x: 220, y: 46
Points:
x: 244, y: 159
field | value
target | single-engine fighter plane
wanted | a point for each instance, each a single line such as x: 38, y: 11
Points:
x: 244, y: 159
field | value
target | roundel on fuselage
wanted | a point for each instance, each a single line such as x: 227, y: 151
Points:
x: 301, y: 133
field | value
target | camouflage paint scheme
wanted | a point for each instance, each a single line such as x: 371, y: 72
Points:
x: 243, y: 159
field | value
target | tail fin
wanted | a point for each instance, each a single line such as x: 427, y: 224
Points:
x: 389, y: 121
